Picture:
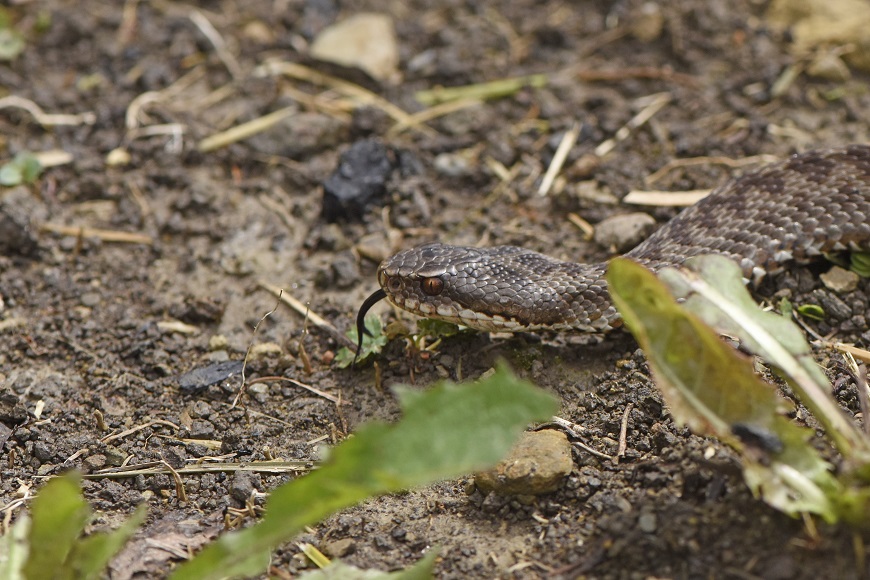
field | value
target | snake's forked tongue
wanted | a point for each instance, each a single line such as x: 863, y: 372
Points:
x: 361, y: 319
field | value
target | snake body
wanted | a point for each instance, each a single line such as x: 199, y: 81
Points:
x: 791, y: 211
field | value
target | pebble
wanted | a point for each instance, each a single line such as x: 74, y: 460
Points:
x: 623, y: 232
x: 538, y: 463
x: 647, y: 522
x: 242, y: 486
x: 366, y: 41
x: 21, y: 214
x: 840, y: 280
x: 339, y: 548
x: 94, y: 462
x: 90, y: 299
x: 359, y: 180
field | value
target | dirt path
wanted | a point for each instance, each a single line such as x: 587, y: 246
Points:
x: 90, y: 326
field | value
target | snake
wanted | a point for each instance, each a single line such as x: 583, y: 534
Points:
x: 793, y: 211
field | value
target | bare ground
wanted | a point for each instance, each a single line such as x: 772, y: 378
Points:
x: 84, y: 317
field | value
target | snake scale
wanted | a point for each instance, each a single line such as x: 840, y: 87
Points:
x: 794, y: 210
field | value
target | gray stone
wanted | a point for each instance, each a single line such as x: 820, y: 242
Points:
x: 622, y: 232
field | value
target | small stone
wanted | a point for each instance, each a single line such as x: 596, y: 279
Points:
x: 647, y: 522
x: 42, y: 451
x: 647, y: 24
x: 218, y: 342
x: 622, y: 232
x: 840, y: 280
x: 202, y: 430
x: 90, y: 299
x: 538, y: 463
x: 359, y: 180
x: 243, y: 486
x: 114, y: 456
x: 21, y: 214
x: 366, y: 41
x: 339, y: 548
x: 94, y: 462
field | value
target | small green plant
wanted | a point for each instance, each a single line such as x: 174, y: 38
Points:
x: 373, y: 343
x: 446, y: 431
x: 714, y: 389
x: 24, y: 168
x: 51, y: 542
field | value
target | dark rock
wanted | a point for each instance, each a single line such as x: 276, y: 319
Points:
x: 243, y: 486
x: 21, y: 214
x: 359, y: 181
x: 204, y: 377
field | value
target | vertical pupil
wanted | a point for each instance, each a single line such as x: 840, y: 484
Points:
x: 432, y: 286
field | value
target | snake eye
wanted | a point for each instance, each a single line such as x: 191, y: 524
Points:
x: 432, y: 286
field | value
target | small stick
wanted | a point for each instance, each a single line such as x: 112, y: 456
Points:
x: 105, y: 235
x: 180, y: 492
x: 659, y: 100
x: 666, y: 198
x: 243, y: 386
x: 717, y: 160
x: 362, y: 95
x: 43, y: 118
x: 623, y: 433
x: 858, y: 353
x: 584, y: 226
x: 214, y: 37
x: 314, y: 390
x: 245, y: 130
x: 303, y: 310
x: 568, y: 140
x: 132, y: 430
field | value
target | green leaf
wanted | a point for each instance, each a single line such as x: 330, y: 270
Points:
x: 712, y: 288
x: 14, y: 550
x: 11, y: 44
x: 422, y: 570
x: 58, y: 517
x: 90, y: 556
x: 438, y: 328
x: 811, y: 311
x: 24, y: 168
x: 371, y: 345
x: 10, y: 175
x: 859, y: 262
x: 714, y: 389
x: 446, y: 431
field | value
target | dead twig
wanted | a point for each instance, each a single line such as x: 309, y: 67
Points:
x: 565, y: 145
x: 158, y: 468
x: 657, y: 102
x: 717, y: 160
x: 666, y: 198
x: 309, y: 388
x: 623, y: 433
x: 214, y: 37
x: 47, y: 119
x: 136, y: 429
x: 305, y: 311
x: 364, y: 96
x: 243, y: 387
x: 245, y: 130
x: 104, y: 235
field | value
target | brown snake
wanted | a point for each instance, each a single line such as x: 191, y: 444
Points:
x: 795, y: 210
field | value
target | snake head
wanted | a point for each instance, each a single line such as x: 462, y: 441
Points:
x: 500, y: 289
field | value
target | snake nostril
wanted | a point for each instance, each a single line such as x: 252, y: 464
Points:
x: 432, y: 286
x: 394, y: 284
